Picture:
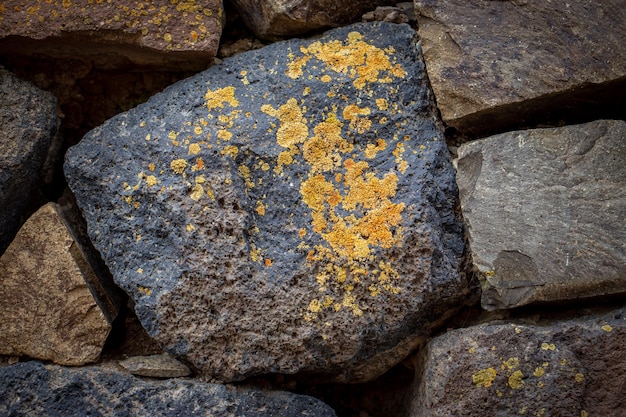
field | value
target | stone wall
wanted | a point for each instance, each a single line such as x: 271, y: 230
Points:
x: 312, y: 208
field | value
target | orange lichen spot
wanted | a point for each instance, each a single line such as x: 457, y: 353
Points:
x: 302, y: 233
x: 323, y: 151
x: 516, y: 380
x: 217, y: 98
x: 372, y: 150
x: 151, y: 167
x: 294, y: 68
x: 194, y: 149
x: 231, y: 151
x: 260, y: 208
x: 198, y: 165
x: 484, y: 377
x: 151, y: 180
x: 326, y: 78
x: 382, y: 104
x: 178, y: 165
x: 144, y: 290
x: 268, y: 262
x: 354, y: 115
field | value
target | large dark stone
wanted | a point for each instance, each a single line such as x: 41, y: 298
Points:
x: 28, y: 121
x: 545, y: 212
x: 32, y: 389
x: 497, y: 64
x: 569, y: 368
x: 289, y: 210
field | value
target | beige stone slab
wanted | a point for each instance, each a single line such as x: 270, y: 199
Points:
x: 47, y: 310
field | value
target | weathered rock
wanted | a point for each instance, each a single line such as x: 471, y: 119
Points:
x: 116, y: 34
x: 31, y: 388
x: 160, y: 366
x: 400, y: 13
x: 571, y: 368
x: 289, y: 210
x: 495, y: 63
x: 276, y: 19
x: 28, y: 122
x: 48, y: 310
x: 545, y: 211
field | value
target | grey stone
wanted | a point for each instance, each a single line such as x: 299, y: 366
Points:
x: 496, y: 63
x: 160, y: 366
x: 28, y: 122
x: 48, y: 308
x: 33, y: 389
x: 291, y: 209
x: 569, y: 368
x: 114, y: 34
x: 277, y: 19
x: 545, y: 212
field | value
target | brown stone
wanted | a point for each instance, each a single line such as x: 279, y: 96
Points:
x: 47, y: 308
x: 493, y: 63
x: 276, y: 19
x: 178, y: 35
x: 545, y: 212
x: 159, y: 366
x: 570, y: 368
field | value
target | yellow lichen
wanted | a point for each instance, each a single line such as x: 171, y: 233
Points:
x: 372, y: 150
x: 197, y: 191
x: 607, y: 328
x: 484, y: 377
x: 579, y: 377
x: 230, y: 151
x: 178, y: 165
x: 539, y: 372
x: 151, y: 180
x: 260, y: 208
x: 516, y: 380
x: 217, y: 99
x: 548, y: 346
x: 194, y: 149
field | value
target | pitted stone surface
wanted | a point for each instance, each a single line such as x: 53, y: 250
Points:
x: 494, y: 63
x: 47, y: 310
x: 570, y: 368
x: 174, y: 34
x: 33, y: 389
x: 28, y: 122
x: 279, y: 19
x: 291, y: 209
x: 545, y: 212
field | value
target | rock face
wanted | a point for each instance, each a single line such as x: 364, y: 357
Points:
x: 27, y: 124
x: 289, y: 210
x: 275, y: 19
x: 34, y: 389
x: 571, y: 368
x: 115, y: 33
x: 48, y: 311
x: 545, y: 212
x: 495, y: 62
x: 159, y: 366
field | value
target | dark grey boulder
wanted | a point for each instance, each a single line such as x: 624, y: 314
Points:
x: 291, y: 209
x: 28, y: 121
x: 568, y: 368
x: 32, y: 389
x: 545, y: 212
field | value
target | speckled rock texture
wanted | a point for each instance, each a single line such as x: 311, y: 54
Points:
x: 291, y: 209
x: 175, y: 35
x: 279, y: 19
x: 569, y: 368
x: 28, y: 122
x: 33, y: 389
x: 494, y: 63
x: 545, y: 212
x: 48, y: 310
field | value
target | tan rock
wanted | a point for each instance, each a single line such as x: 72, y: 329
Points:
x: 494, y: 63
x: 160, y: 366
x: 114, y: 32
x: 47, y: 310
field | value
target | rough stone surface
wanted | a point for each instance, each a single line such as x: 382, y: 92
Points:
x: 545, y: 212
x: 27, y: 124
x: 275, y: 19
x: 291, y: 209
x: 492, y: 63
x: 160, y: 366
x: 571, y: 368
x: 33, y: 389
x: 48, y: 311
x: 115, y: 33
